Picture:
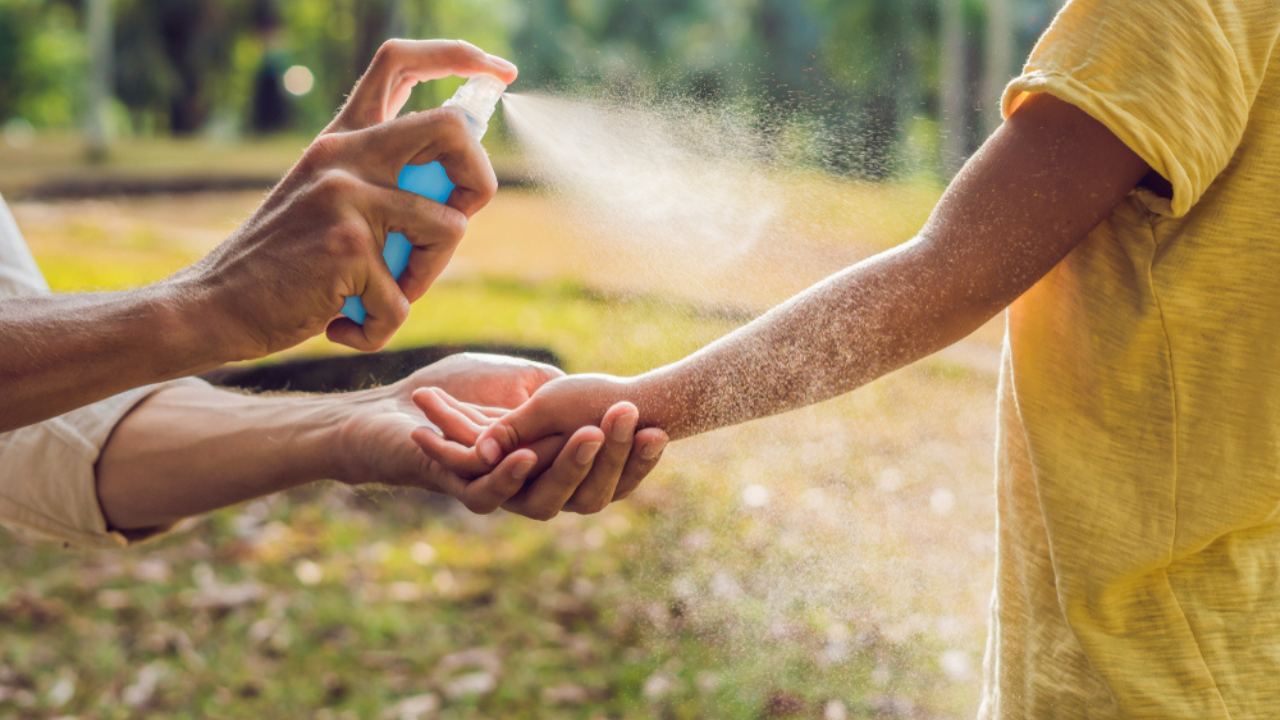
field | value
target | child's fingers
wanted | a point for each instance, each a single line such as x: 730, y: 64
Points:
x: 455, y: 424
x: 455, y: 458
x: 545, y: 496
x: 517, y: 428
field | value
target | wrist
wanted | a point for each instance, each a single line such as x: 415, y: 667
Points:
x: 660, y: 400
x: 179, y: 317
x: 317, y: 433
x: 211, y: 324
x: 345, y: 452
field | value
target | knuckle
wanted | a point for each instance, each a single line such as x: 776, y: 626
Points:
x: 389, y: 51
x: 453, y: 226
x: 465, y: 51
x: 506, y: 436
x: 400, y: 310
x: 349, y: 239
x: 334, y: 186
x: 452, y: 121
x: 487, y: 185
x: 322, y: 152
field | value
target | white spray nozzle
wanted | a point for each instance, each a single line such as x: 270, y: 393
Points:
x: 478, y: 98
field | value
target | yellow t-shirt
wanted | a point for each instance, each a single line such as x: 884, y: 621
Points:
x: 1138, y: 481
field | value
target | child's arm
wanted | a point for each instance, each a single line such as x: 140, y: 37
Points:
x: 1037, y: 187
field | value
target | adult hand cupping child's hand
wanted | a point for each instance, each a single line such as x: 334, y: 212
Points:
x: 564, y: 426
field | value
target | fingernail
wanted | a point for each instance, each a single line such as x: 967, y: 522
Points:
x: 624, y: 427
x: 502, y: 62
x: 587, y: 452
x: 522, y: 470
x: 653, y: 451
x: 490, y: 451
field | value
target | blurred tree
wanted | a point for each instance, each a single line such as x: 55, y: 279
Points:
x: 169, y: 52
x: 875, y: 50
x: 17, y: 20
x: 101, y: 78
x: 42, y: 51
x: 853, y: 82
x: 271, y: 111
x: 999, y: 62
x: 953, y: 59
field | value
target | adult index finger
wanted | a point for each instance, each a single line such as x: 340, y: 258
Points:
x: 420, y: 138
x: 401, y: 64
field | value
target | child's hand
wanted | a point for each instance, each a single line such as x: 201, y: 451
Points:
x: 577, y: 433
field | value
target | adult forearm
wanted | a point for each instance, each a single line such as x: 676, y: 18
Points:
x: 61, y: 352
x: 191, y: 450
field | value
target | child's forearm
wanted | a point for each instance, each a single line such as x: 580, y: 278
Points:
x: 1031, y: 195
x: 850, y: 329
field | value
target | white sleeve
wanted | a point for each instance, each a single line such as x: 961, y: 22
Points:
x: 48, y: 484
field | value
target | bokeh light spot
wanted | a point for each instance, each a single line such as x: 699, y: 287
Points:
x: 298, y: 80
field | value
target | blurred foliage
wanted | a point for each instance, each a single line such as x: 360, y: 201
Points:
x: 857, y: 73
x: 43, y: 55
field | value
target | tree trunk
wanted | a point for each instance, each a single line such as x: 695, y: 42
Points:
x: 999, y: 63
x: 952, y: 76
x: 101, y: 72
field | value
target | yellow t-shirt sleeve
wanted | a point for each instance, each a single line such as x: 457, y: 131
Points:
x: 1173, y: 79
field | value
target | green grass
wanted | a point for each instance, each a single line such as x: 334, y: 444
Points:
x: 847, y: 586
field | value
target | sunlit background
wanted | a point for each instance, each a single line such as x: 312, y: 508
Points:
x: 830, y: 563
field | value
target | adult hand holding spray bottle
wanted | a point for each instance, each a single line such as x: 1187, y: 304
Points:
x: 478, y: 99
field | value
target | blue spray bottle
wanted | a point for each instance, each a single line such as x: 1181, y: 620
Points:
x: 478, y: 98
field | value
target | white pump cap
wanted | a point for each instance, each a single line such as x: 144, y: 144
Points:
x: 478, y: 98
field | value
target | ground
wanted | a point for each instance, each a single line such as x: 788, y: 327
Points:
x: 832, y: 562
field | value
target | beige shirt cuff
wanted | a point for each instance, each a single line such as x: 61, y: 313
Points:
x: 48, y: 483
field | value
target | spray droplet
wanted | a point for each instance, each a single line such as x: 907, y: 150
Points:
x: 755, y: 496
x: 665, y: 175
x: 422, y: 553
x: 942, y: 501
x: 308, y: 572
x: 956, y: 664
x: 889, y: 480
